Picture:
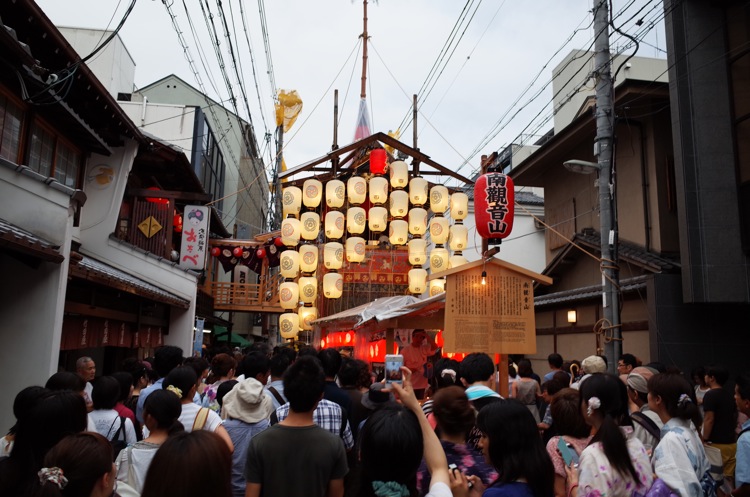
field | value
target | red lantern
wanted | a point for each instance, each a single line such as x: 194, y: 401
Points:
x: 156, y: 200
x: 377, y: 161
x: 260, y: 253
x: 177, y: 222
x: 237, y: 251
x: 494, y: 205
x: 439, y: 338
x: 215, y: 251
x: 277, y: 241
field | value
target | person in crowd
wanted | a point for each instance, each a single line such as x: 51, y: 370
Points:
x: 646, y: 423
x: 572, y: 428
x: 698, y: 374
x: 555, y: 362
x: 246, y: 410
x: 65, y: 380
x: 190, y: 464
x: 106, y: 420
x: 201, y: 367
x: 742, y: 470
x: 161, y: 414
x: 222, y: 392
x: 512, y: 375
x: 277, y: 365
x: 45, y: 418
x: 679, y: 459
x: 614, y: 463
x: 720, y: 418
x: 222, y: 369
x: 79, y: 465
x: 257, y: 365
x: 165, y: 360
x: 22, y: 404
x: 182, y: 381
x: 331, y: 361
x: 590, y: 365
x: 86, y: 369
x: 415, y: 354
x: 510, y: 443
x: 138, y: 371
x: 350, y: 375
x: 125, y: 381
x: 626, y: 363
x: 477, y: 374
x: 455, y: 417
x: 319, y: 457
x: 526, y: 390
x: 446, y: 375
x: 549, y: 388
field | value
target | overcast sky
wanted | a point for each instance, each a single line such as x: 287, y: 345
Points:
x: 508, y: 47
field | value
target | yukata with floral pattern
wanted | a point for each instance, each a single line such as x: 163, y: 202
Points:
x: 469, y: 460
x: 680, y: 459
x: 597, y: 477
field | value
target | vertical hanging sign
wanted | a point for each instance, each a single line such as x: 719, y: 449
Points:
x: 494, y: 205
x: 194, y: 238
x: 198, y: 342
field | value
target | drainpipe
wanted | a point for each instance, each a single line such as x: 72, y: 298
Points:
x: 144, y: 102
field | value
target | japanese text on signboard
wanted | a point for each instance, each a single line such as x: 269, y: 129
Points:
x: 194, y: 238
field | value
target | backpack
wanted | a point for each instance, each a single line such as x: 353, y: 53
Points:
x: 118, y: 439
x: 647, y: 423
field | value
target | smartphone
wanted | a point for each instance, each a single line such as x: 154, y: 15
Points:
x: 393, y: 373
x: 567, y: 452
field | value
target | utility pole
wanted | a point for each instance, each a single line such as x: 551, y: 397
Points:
x: 607, y: 205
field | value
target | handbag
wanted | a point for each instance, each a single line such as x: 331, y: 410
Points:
x: 660, y: 489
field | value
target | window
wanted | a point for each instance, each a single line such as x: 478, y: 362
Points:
x: 51, y: 155
x: 212, y: 166
x: 11, y: 118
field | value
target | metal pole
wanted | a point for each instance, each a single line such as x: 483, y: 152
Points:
x: 277, y: 185
x: 603, y: 151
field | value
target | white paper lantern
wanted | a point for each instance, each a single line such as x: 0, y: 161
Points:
x: 308, y: 258
x: 333, y: 285
x: 437, y: 286
x: 457, y: 260
x: 356, y: 220
x: 335, y: 193
x: 459, y: 237
x: 291, y: 230
x: 310, y: 222
x: 398, y: 232
x: 334, y: 224
x: 333, y: 255
x: 378, y: 219
x: 378, y: 190
x: 289, y: 295
x: 439, y: 229
x: 417, y: 280
x: 289, y: 325
x: 312, y: 193
x: 306, y: 316
x: 417, y: 221
x: 291, y: 201
x: 439, y: 199
x: 289, y: 264
x: 399, y: 171
x: 355, y: 249
x: 459, y: 206
x: 417, y: 251
x: 356, y: 188
x: 308, y: 289
x: 399, y: 203
x: 418, y: 191
x: 439, y: 259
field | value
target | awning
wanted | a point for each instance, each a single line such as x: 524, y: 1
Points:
x: 25, y: 243
x: 99, y: 272
x: 220, y: 336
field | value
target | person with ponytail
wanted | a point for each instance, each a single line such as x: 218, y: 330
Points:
x: 160, y: 414
x: 679, y: 459
x: 615, y: 463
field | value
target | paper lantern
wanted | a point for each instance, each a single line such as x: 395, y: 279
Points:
x: 335, y: 193
x: 310, y: 224
x: 333, y: 255
x: 289, y: 295
x: 291, y: 201
x: 356, y: 220
x: 177, y: 222
x: 399, y: 174
x: 439, y: 229
x: 399, y: 203
x: 291, y: 230
x: 306, y: 316
x: 378, y: 219
x: 436, y: 286
x: 308, y: 289
x: 417, y: 280
x: 355, y: 249
x: 237, y: 251
x: 308, y: 258
x: 377, y: 161
x: 457, y: 260
x: 398, y: 232
x: 334, y: 225
x: 260, y: 253
x: 312, y: 193
x: 417, y: 221
x: 418, y: 191
x: 417, y: 251
x: 459, y: 206
x: 439, y: 259
x: 278, y: 242
x: 333, y: 285
x: 356, y: 188
x: 439, y: 199
x: 215, y: 251
x: 459, y: 237
x: 156, y: 200
x: 289, y: 325
x: 289, y: 264
x: 378, y: 190
x: 494, y: 205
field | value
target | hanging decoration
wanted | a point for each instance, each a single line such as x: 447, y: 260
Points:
x: 494, y: 206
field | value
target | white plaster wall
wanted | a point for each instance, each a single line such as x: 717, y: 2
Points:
x: 174, y: 124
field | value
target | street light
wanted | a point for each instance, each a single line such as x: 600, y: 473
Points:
x: 581, y: 166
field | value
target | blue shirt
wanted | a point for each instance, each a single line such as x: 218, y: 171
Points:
x: 742, y: 471
x: 157, y: 385
x: 241, y: 434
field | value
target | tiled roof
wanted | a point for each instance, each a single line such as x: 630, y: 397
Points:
x: 631, y: 252
x: 589, y: 292
x: 28, y: 243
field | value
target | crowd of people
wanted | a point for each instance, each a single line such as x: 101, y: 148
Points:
x: 316, y: 423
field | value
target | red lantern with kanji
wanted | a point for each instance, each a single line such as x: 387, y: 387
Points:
x: 215, y: 251
x: 260, y: 253
x: 377, y: 161
x: 237, y: 251
x: 494, y: 205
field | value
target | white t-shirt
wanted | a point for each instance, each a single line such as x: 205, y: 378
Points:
x: 189, y: 413
x: 106, y: 422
